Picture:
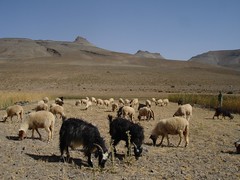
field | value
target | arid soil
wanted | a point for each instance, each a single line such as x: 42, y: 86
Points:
x: 210, y: 154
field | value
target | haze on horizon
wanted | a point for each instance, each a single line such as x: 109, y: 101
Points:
x: 176, y: 29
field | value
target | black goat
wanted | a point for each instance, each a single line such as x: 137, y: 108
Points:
x: 76, y: 132
x: 119, y: 127
x: 219, y: 111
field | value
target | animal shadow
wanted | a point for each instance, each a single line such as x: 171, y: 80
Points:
x: 230, y: 152
x: 54, y: 159
x: 13, y: 138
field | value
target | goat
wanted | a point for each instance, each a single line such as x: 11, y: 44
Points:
x: 219, y: 111
x: 76, y: 132
x: 119, y: 127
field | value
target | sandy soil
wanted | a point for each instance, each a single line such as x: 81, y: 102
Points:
x: 210, y: 154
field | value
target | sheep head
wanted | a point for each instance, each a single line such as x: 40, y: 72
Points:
x: 154, y: 139
x: 21, y: 135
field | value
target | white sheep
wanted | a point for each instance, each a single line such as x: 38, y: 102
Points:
x: 134, y: 102
x: 78, y: 102
x: 35, y: 120
x: 185, y: 111
x: 15, y: 110
x: 41, y: 106
x: 106, y: 102
x: 100, y: 102
x: 128, y: 111
x: 57, y: 110
x: 59, y: 101
x: 93, y: 99
x: 154, y: 100
x: 114, y: 106
x: 145, y: 112
x: 165, y: 102
x: 148, y: 103
x: 173, y: 126
x: 121, y: 101
x: 111, y: 100
x: 88, y: 104
x: 45, y: 100
x: 159, y: 102
x: 127, y: 102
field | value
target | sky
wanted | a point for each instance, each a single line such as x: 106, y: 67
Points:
x: 177, y: 29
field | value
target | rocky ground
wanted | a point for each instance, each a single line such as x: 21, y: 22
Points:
x: 210, y: 155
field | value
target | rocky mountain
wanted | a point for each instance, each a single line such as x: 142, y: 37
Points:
x: 227, y: 58
x: 146, y: 54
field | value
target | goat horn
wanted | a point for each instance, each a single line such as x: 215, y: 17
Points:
x: 134, y: 145
x: 99, y: 147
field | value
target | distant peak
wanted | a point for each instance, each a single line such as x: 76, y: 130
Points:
x: 81, y: 40
x: 146, y: 54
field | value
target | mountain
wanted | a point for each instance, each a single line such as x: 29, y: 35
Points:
x: 227, y: 58
x: 146, y: 54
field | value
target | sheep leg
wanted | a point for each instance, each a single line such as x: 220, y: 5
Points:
x: 40, y: 137
x: 180, y: 136
x: 161, y: 140
x: 49, y: 134
x: 168, y: 140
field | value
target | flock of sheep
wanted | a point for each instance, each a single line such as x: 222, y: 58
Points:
x: 76, y: 132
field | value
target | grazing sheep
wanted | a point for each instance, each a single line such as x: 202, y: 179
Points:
x: 121, y: 101
x: 159, y: 102
x: 145, y: 112
x: 165, y: 102
x: 154, y: 100
x: 59, y: 101
x: 184, y: 110
x: 220, y: 111
x: 45, y: 100
x: 35, y: 120
x: 76, y: 132
x: 173, y: 126
x: 106, y: 102
x: 41, y: 106
x: 134, y: 102
x: 119, y: 129
x: 57, y: 109
x: 127, y: 102
x: 88, y: 104
x: 114, y: 106
x: 15, y: 110
x: 148, y: 103
x: 78, y: 102
x: 93, y: 99
x: 111, y: 100
x: 126, y: 111
x: 100, y: 102
x: 237, y: 145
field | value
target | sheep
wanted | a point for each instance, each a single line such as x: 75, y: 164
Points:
x: 41, y: 106
x: 184, y: 110
x: 140, y: 105
x: 121, y: 101
x: 159, y: 102
x: 59, y: 101
x: 145, y: 112
x: 78, y: 102
x: 93, y: 99
x: 106, y: 102
x: 165, y: 102
x: 122, y: 129
x: 35, y: 120
x: 148, y: 103
x: 237, y: 145
x: 57, y: 109
x: 154, y: 100
x: 220, y: 111
x: 15, y: 110
x: 173, y: 126
x: 114, y: 106
x: 134, y: 102
x: 76, y: 132
x: 45, y: 100
x: 111, y: 100
x: 125, y: 111
x: 127, y: 102
x: 100, y: 102
x: 88, y: 104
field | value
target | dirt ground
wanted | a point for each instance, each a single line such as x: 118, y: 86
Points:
x: 210, y: 155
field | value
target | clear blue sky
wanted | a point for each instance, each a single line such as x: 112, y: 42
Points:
x: 178, y: 29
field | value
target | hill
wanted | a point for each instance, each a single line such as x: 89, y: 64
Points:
x: 227, y: 58
x: 79, y: 67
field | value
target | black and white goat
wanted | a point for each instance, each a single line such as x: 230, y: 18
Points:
x: 76, y: 132
x: 119, y: 128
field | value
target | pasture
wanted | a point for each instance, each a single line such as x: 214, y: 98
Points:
x: 210, y: 154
